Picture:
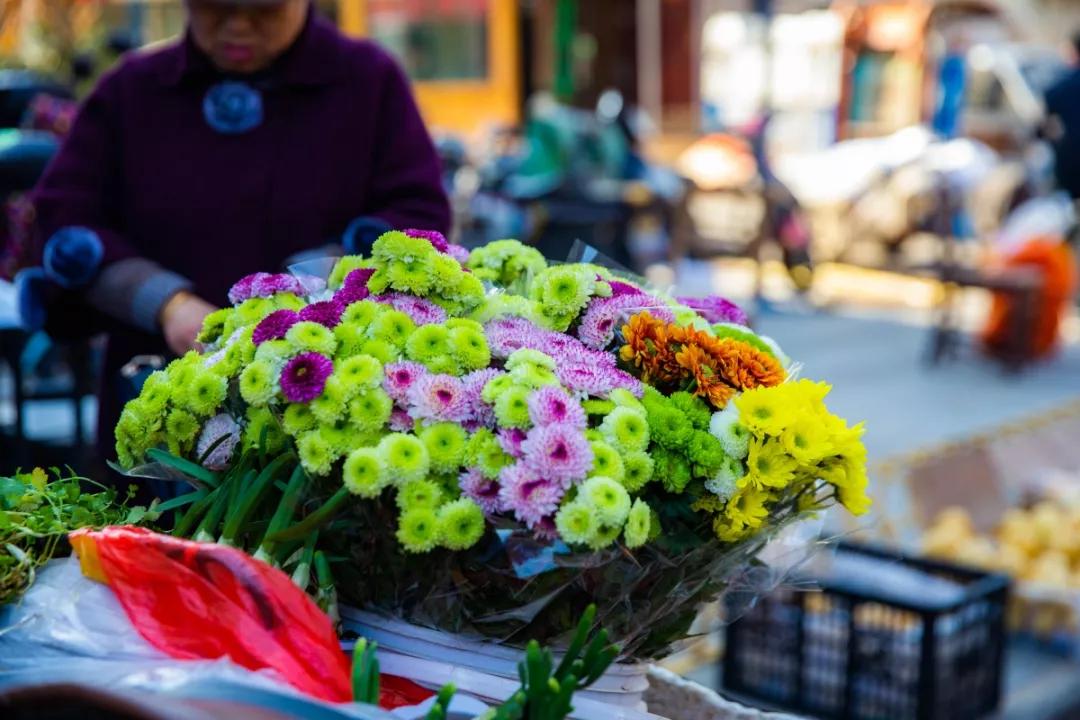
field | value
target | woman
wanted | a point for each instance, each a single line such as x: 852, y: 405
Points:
x: 263, y: 135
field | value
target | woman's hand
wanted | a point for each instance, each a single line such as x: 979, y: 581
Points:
x: 182, y: 319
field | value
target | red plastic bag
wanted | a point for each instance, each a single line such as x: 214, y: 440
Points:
x: 202, y: 600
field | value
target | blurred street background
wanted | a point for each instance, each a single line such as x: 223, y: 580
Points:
x: 873, y: 180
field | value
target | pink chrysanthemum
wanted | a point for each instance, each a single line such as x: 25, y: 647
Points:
x: 274, y: 326
x: 511, y: 439
x: 603, y: 315
x: 327, y: 313
x: 264, y: 285
x: 398, y: 377
x: 422, y: 312
x: 528, y: 495
x: 716, y: 309
x: 304, y: 376
x: 459, y: 253
x: 558, y: 452
x: 436, y: 238
x: 507, y: 334
x: 480, y: 489
x: 400, y: 420
x: 438, y: 397
x: 550, y: 405
x: 595, y: 380
x: 480, y: 413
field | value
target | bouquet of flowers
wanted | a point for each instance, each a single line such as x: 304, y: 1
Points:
x: 486, y: 443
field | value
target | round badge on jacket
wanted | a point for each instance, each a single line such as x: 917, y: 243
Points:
x: 233, y: 107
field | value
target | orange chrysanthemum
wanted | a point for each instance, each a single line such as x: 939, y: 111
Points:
x: 649, y: 349
x: 708, y: 382
x: 744, y: 366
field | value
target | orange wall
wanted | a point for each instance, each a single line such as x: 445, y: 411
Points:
x: 465, y: 106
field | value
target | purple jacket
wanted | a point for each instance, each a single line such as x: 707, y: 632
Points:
x: 180, y: 206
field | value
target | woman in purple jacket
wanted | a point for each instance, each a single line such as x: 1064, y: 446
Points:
x: 261, y: 136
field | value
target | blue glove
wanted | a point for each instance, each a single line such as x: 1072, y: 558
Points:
x: 362, y: 233
x: 72, y: 256
x: 30, y: 287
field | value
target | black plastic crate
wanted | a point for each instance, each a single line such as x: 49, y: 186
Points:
x: 871, y: 642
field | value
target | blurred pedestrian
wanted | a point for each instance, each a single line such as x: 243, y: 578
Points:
x: 1063, y: 125
x: 262, y: 135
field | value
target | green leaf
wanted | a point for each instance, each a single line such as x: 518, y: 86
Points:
x: 181, y: 501
x: 314, y: 521
x: 193, y: 470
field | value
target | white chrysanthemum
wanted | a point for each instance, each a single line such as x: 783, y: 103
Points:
x: 732, y: 434
x: 725, y: 483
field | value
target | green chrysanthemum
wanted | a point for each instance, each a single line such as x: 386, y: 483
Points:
x: 470, y: 348
x: 563, y: 290
x: 638, y: 523
x: 329, y: 407
x: 533, y: 376
x: 364, y: 474
x: 459, y: 322
x: 183, y: 370
x: 576, y: 523
x: 343, y: 267
x: 205, y: 393
x: 288, y: 301
x: 512, y: 408
x: 624, y: 398
x: 260, y: 425
x: 405, y: 457
x: 470, y: 291
x: 418, y: 530
x: 411, y: 276
x: 443, y: 365
x: 298, y: 418
x: 316, y: 455
x: 392, y: 326
x: 181, y: 425
x: 241, y: 351
x: 606, y: 461
x: 370, y: 410
x: 461, y: 524
x: 214, y: 326
x: 626, y: 430
x: 274, y: 352
x: 382, y: 350
x: 258, y: 383
x: 361, y: 313
x: 360, y: 372
x: 604, y: 536
x: 155, y: 393
x: 340, y: 437
x: 637, y: 470
x: 527, y: 356
x: 445, y: 273
x: 485, y: 452
x: 307, y: 336
x: 252, y: 310
x: 608, y: 499
x: 598, y: 407
x: 495, y: 387
x: 419, y: 494
x: 350, y: 338
x: 445, y: 444
x: 427, y: 342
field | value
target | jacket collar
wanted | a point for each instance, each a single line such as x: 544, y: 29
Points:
x: 313, y: 59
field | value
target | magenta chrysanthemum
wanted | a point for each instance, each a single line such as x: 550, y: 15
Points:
x: 511, y: 439
x: 530, y: 496
x: 304, y: 376
x: 274, y: 326
x: 480, y: 489
x: 422, y: 311
x: 545, y: 529
x: 399, y: 377
x: 326, y: 313
x: 716, y: 309
x: 354, y: 288
x: 436, y: 238
x: 557, y: 452
x: 400, y: 420
x: 619, y: 287
x: 264, y: 285
x: 438, y: 397
x: 550, y: 405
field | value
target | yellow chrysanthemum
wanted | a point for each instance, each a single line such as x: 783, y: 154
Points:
x: 747, y: 508
x: 766, y: 411
x: 806, y: 440
x: 768, y: 466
